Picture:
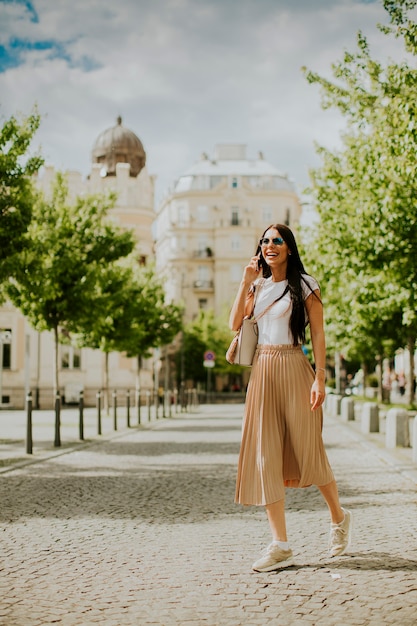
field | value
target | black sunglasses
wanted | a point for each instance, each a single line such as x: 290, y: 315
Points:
x: 277, y: 241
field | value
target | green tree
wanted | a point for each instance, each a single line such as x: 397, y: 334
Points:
x: 206, y: 333
x: 364, y: 246
x: 69, y: 247
x: 132, y: 315
x: 17, y: 194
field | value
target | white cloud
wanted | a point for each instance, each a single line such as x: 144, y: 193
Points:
x: 184, y: 75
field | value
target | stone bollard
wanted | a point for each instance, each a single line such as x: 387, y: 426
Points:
x: 334, y: 404
x: 347, y: 409
x: 415, y: 439
x: 370, y: 418
x: 397, y: 430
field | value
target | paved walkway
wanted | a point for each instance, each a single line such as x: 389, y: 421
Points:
x: 140, y: 528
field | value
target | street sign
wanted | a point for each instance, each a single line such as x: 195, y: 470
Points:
x: 209, y: 355
x: 208, y: 363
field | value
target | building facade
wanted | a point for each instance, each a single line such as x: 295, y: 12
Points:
x: 26, y: 356
x: 207, y: 228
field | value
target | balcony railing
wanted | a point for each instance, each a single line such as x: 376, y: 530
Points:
x: 204, y: 285
x: 205, y: 253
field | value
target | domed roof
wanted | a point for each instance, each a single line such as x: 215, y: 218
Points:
x: 119, y: 145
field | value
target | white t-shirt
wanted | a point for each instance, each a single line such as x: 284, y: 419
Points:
x: 274, y: 326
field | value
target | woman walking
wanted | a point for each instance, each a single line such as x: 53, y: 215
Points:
x: 282, y: 442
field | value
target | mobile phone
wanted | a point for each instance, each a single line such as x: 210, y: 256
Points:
x: 259, y: 264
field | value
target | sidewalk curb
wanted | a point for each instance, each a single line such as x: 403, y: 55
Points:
x: 392, y: 457
x: 88, y: 443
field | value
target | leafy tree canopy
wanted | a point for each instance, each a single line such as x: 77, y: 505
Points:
x: 69, y: 248
x: 206, y: 333
x: 133, y: 315
x: 364, y: 246
x: 17, y: 194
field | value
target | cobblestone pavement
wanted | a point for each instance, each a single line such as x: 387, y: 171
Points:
x: 141, y: 529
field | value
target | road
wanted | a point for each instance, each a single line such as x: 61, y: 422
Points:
x: 140, y: 528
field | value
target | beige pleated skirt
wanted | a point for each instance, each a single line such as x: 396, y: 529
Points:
x: 282, y: 443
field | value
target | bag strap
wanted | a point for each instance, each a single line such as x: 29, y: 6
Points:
x: 286, y: 290
x: 256, y: 289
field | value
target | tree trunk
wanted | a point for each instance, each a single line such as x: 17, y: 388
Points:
x: 139, y: 360
x: 138, y: 387
x: 379, y: 360
x: 365, y: 378
x: 411, y: 345
x: 56, y: 356
x: 106, y: 384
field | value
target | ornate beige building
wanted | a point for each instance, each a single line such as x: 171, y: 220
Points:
x: 205, y: 231
x: 207, y: 228
x: 26, y: 357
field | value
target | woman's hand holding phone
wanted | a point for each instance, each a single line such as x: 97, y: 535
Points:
x: 251, y: 271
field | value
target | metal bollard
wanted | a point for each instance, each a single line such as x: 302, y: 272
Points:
x: 81, y: 420
x: 57, y: 440
x: 98, y: 396
x: 148, y: 402
x: 138, y: 404
x: 114, y: 396
x: 29, y: 439
x: 128, y: 408
x: 164, y: 402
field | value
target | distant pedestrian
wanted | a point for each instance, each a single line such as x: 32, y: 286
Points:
x: 282, y: 442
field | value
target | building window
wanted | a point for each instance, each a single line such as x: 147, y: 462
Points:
x: 201, y: 182
x: 235, y: 273
x: 203, y: 304
x: 267, y: 214
x: 70, y: 358
x: 203, y: 273
x: 202, y: 246
x: 6, y: 345
x: 182, y: 215
x: 215, y: 180
x: 235, y: 242
x: 183, y: 243
x: 234, y: 182
x: 287, y: 216
x: 202, y: 213
x: 235, y: 216
x: 254, y: 181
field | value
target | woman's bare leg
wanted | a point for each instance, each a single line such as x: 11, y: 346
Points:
x: 276, y: 519
x: 276, y: 511
x: 331, y: 495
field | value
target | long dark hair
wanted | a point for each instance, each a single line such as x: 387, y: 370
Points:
x: 295, y: 269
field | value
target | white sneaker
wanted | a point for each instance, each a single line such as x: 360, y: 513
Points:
x: 273, y: 558
x: 340, y: 535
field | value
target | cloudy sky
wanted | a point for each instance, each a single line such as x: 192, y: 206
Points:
x: 183, y: 74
